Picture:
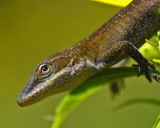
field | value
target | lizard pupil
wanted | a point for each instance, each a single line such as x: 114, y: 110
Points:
x: 44, y: 68
x: 73, y: 63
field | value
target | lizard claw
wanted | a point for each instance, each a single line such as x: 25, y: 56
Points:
x: 151, y: 65
x: 144, y: 69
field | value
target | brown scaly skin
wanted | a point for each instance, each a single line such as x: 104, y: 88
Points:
x: 119, y: 37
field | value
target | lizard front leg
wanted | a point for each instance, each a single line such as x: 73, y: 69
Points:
x: 123, y: 48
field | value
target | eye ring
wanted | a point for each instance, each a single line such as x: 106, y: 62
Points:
x: 45, y: 71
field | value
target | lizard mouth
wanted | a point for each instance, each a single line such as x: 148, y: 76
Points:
x: 25, y: 95
x: 25, y: 99
x: 35, y: 91
x: 22, y: 101
x: 32, y: 93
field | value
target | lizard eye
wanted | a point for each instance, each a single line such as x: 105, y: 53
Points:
x: 73, y: 63
x: 45, y: 70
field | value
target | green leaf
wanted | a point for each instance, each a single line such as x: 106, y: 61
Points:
x: 157, y: 123
x: 158, y: 36
x: 88, y: 87
x: 156, y: 61
x: 153, y: 44
x: 138, y: 101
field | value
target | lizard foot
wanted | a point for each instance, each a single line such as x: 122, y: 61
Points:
x: 144, y: 69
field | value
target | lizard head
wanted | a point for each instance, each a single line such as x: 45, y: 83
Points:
x: 57, y: 73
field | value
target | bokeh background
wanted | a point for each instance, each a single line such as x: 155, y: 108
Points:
x: 34, y: 29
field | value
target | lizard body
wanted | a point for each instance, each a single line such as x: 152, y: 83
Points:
x: 117, y: 38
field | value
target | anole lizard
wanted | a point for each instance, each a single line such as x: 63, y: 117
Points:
x: 117, y: 38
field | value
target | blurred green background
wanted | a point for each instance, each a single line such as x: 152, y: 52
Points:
x: 34, y: 29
